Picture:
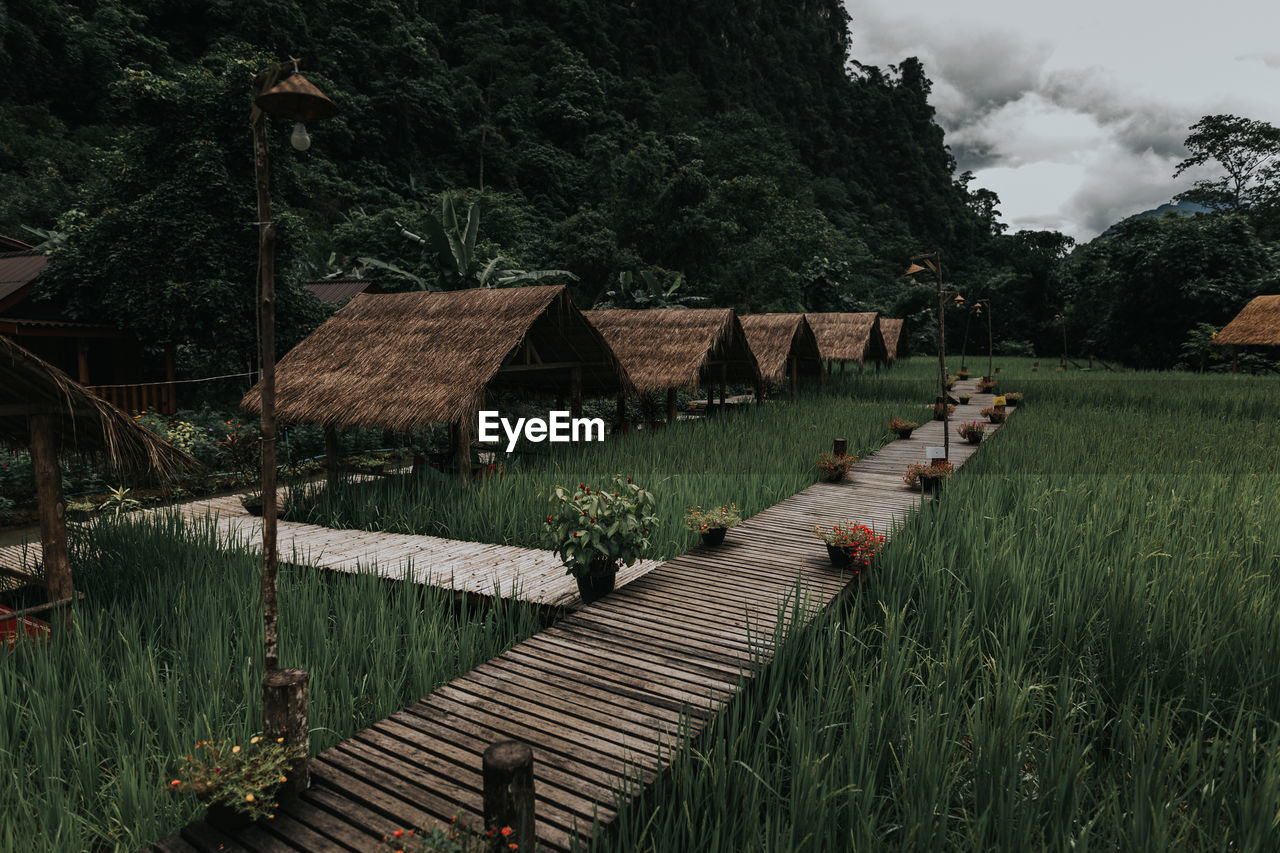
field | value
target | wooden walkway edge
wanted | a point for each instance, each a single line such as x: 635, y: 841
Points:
x: 604, y: 695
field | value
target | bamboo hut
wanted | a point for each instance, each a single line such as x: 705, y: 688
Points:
x: 402, y: 361
x: 895, y: 343
x: 846, y: 337
x: 665, y: 349
x: 44, y: 411
x: 785, y: 347
x: 1257, y: 325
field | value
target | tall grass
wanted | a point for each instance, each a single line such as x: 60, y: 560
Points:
x: 166, y: 651
x: 1075, y: 648
x: 754, y: 458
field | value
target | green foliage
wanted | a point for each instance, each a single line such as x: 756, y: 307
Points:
x: 1248, y: 154
x: 609, y: 524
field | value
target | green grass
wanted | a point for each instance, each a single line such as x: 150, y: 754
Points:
x: 1075, y: 648
x: 167, y: 650
x: 755, y: 458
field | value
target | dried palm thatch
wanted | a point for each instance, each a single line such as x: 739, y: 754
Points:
x: 83, y: 423
x: 1257, y: 325
x: 405, y: 360
x: 895, y: 343
x: 665, y: 348
x: 776, y: 338
x: 849, y: 337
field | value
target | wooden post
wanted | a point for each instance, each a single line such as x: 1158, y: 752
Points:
x: 794, y: 370
x: 759, y: 388
x: 724, y: 372
x: 53, y: 521
x: 82, y: 360
x: 711, y: 393
x: 507, y: 770
x: 463, y: 430
x: 331, y: 454
x: 285, y: 712
x: 575, y: 392
x: 672, y: 399
x: 839, y: 447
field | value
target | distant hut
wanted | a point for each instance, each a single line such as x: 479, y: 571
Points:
x: 895, y: 343
x: 44, y: 411
x: 785, y: 347
x: 846, y: 337
x: 665, y: 349
x: 1257, y: 325
x: 403, y: 361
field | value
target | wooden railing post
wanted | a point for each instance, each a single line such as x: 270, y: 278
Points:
x: 508, y: 790
x: 285, y: 715
x: 839, y: 446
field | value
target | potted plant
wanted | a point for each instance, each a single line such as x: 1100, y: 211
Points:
x: 963, y: 373
x: 1013, y: 398
x: 595, y: 529
x: 971, y: 432
x: 458, y: 837
x: 992, y: 415
x: 252, y: 503
x: 850, y: 545
x: 937, y: 410
x: 986, y: 385
x: 964, y: 398
x: 902, y: 427
x: 713, y: 524
x: 999, y: 402
x: 832, y: 468
x: 237, y: 782
x: 928, y: 478
x: 80, y: 510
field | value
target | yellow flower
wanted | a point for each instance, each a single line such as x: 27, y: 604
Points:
x: 254, y: 739
x: 235, y: 749
x: 248, y: 798
x: 284, y: 778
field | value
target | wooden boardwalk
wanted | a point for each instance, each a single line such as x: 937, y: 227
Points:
x: 603, y: 695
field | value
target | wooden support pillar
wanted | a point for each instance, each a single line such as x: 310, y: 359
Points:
x: 840, y: 447
x: 82, y: 360
x: 507, y: 772
x: 285, y: 715
x: 622, y: 408
x: 711, y: 393
x: 672, y: 399
x: 724, y: 373
x: 463, y: 431
x: 822, y: 378
x: 842, y: 368
x: 331, y: 454
x: 53, y: 521
x: 759, y: 388
x: 794, y: 369
x: 575, y: 391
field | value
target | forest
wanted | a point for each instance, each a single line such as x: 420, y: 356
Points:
x: 729, y: 154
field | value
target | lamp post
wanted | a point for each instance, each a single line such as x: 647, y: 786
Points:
x: 977, y: 308
x: 933, y: 261
x: 278, y: 90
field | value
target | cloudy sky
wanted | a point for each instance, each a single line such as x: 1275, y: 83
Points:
x: 1075, y: 113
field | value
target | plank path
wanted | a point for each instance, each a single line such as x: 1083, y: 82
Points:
x: 605, y: 694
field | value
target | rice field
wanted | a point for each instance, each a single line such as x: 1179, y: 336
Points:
x: 753, y: 457
x: 167, y: 651
x: 1074, y: 649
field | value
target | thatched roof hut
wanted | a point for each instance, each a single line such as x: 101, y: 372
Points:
x: 849, y: 337
x: 668, y: 348
x: 777, y: 340
x: 895, y: 343
x: 405, y: 360
x: 1257, y: 325
x: 42, y: 410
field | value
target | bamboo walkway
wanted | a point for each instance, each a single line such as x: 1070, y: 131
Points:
x: 602, y: 695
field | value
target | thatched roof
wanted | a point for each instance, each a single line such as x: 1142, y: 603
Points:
x: 665, y: 348
x: 406, y: 360
x: 776, y: 337
x: 895, y: 343
x: 1257, y: 325
x: 84, y: 423
x: 849, y: 337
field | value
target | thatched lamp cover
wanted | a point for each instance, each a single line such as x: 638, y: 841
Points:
x: 296, y: 98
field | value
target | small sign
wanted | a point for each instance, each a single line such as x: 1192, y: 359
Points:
x: 932, y: 453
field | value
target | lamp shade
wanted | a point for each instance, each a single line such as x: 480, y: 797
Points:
x: 296, y: 98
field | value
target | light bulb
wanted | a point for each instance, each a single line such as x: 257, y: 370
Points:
x: 299, y: 138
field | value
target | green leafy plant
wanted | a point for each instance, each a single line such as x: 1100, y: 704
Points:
x: 859, y: 542
x: 971, y: 432
x: 832, y: 468
x: 457, y: 838
x: 243, y: 777
x: 702, y: 520
x: 118, y: 501
x: 902, y: 425
x: 600, y: 525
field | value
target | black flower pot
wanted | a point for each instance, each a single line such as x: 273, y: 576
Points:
x: 713, y: 537
x: 839, y: 557
x: 930, y: 485
x: 904, y: 434
x: 595, y: 585
x: 253, y: 509
x: 974, y: 439
x: 223, y: 817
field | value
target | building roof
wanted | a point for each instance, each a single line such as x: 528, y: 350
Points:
x: 85, y: 424
x: 849, y: 336
x: 895, y: 343
x: 340, y: 289
x: 663, y: 348
x: 406, y: 360
x: 17, y: 271
x: 1257, y: 325
x: 774, y: 338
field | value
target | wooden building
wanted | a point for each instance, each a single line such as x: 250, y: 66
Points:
x: 785, y: 348
x: 849, y: 337
x: 895, y: 342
